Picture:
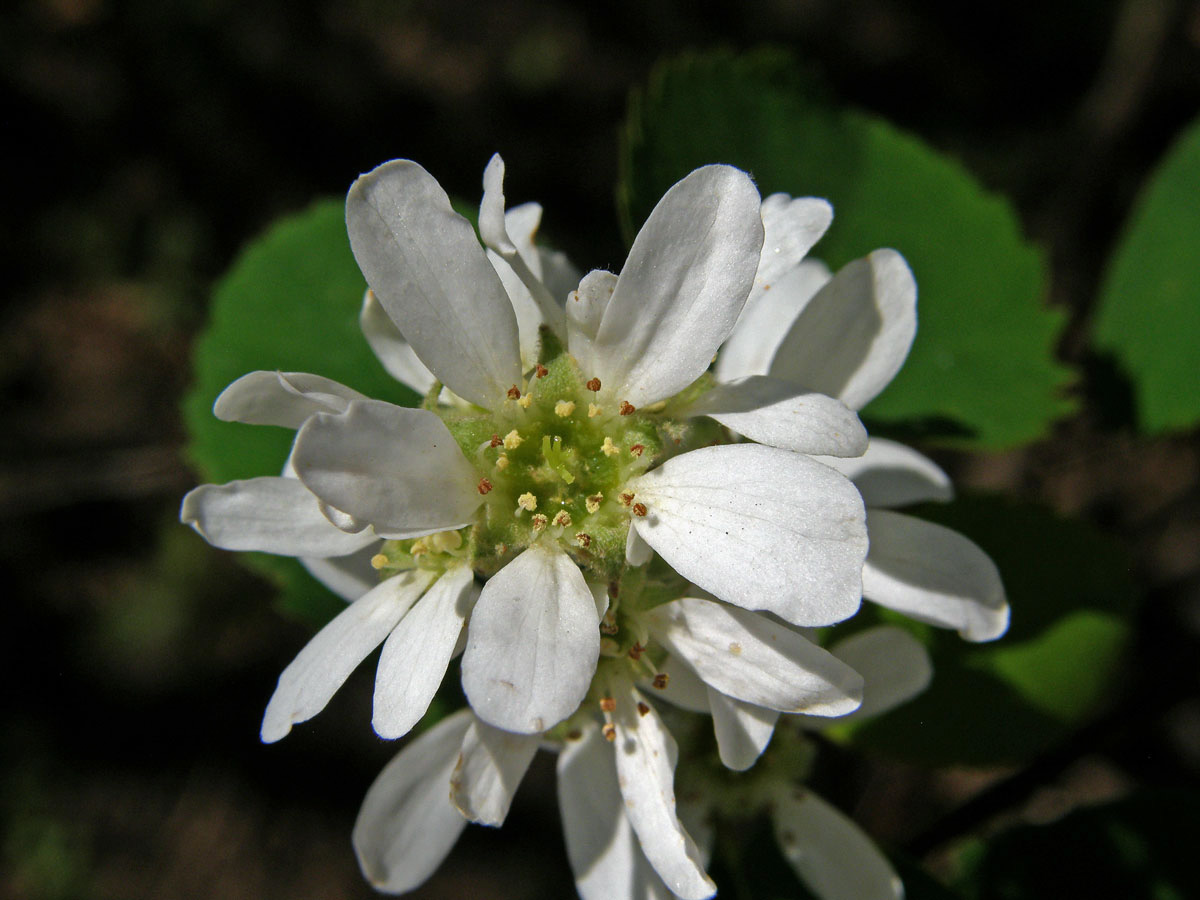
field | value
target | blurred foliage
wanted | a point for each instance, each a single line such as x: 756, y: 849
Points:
x: 1072, y: 596
x: 1139, y: 848
x: 1149, y: 307
x: 982, y: 370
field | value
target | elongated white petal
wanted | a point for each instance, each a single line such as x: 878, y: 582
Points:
x: 328, y: 659
x: 406, y: 825
x: 347, y: 576
x: 394, y: 353
x: 585, y: 312
x: 854, y: 335
x: 743, y: 730
x: 425, y: 265
x: 558, y: 273
x: 688, y: 274
x: 489, y: 770
x: 894, y: 665
x: 790, y: 228
x: 416, y: 653
x: 532, y: 643
x: 281, y: 398
x: 601, y: 846
x: 765, y: 320
x: 780, y: 414
x: 829, y: 853
x: 891, y: 474
x: 637, y: 551
x: 271, y: 515
x: 760, y: 527
x: 935, y: 575
x: 397, y: 468
x: 751, y: 658
x: 509, y: 238
x: 646, y: 755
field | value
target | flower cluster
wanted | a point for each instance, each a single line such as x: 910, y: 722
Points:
x: 593, y: 513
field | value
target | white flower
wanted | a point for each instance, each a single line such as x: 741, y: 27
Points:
x: 847, y: 336
x: 534, y: 466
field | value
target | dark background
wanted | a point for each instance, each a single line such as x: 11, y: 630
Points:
x: 147, y: 141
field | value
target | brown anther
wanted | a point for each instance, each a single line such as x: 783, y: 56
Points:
x: 514, y: 393
x: 541, y: 371
x: 610, y: 732
x: 636, y: 450
x: 574, y: 734
x: 639, y: 509
x: 485, y: 486
x: 626, y: 408
x: 642, y: 708
x: 607, y: 704
x: 614, y: 589
x: 495, y: 441
x: 626, y: 497
x: 661, y: 680
x: 636, y: 651
x: 583, y: 539
x: 593, y: 385
x: 608, y: 626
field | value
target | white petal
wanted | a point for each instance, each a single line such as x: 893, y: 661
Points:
x: 406, y: 826
x: 781, y: 414
x: 532, y: 643
x: 743, y: 730
x: 392, y: 350
x: 790, y: 228
x: 601, y: 846
x: 281, y: 398
x: 427, y: 269
x: 854, y: 335
x: 271, y: 515
x: 760, y: 527
x: 766, y: 318
x: 684, y: 687
x: 646, y: 755
x: 489, y: 770
x: 688, y: 274
x: 415, y: 655
x: 830, y: 854
x: 751, y: 658
x: 328, y: 659
x: 637, y: 551
x: 890, y: 474
x: 347, y: 576
x: 585, y: 312
x: 935, y: 575
x: 558, y: 274
x: 394, y: 467
x: 894, y: 665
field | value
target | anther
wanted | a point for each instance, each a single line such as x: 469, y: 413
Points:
x: 527, y: 502
x: 642, y: 708
x: 419, y: 547
x: 626, y: 408
x: 636, y: 450
x: 608, y: 625
x: 485, y: 486
x: 593, y: 385
x: 608, y: 448
x: 512, y: 440
x: 636, y: 651
x: 610, y: 732
x: 525, y: 402
x: 564, y: 408
x: 495, y: 441
x: 608, y: 704
x: 541, y: 371
x: 626, y: 497
x: 378, y: 561
x: 592, y: 503
x: 513, y: 393
x: 583, y: 539
x: 562, y: 519
x: 593, y: 410
x: 501, y: 462
x: 639, y: 509
x: 539, y: 522
x: 661, y: 680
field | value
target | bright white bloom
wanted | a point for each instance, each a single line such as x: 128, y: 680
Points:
x: 847, y: 336
x: 560, y: 444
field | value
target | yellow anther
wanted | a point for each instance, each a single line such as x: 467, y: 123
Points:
x: 525, y: 402
x: 608, y: 448
x: 512, y: 440
x: 419, y: 547
x: 564, y: 408
x: 378, y: 561
x: 583, y: 539
x: 539, y: 522
x: 592, y: 503
x: 527, y: 501
x: 502, y: 462
x: 562, y: 518
x: 444, y: 540
x: 593, y: 410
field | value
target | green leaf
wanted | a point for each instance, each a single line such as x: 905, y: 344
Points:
x: 982, y: 367
x: 1138, y: 848
x: 1148, y: 315
x: 290, y: 303
x: 1071, y: 596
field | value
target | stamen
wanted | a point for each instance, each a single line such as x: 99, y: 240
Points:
x: 639, y: 509
x: 525, y: 402
x: 592, y: 503
x: 636, y: 450
x: 485, y: 486
x: 539, y: 522
x: 541, y: 371
x: 526, y: 501
x: 608, y: 448
x: 593, y: 410
x: 593, y: 385
x: 378, y: 561
x: 513, y: 393
x: 642, y: 708
x: 495, y: 442
x: 626, y: 408
x: 501, y: 462
x: 636, y: 651
x: 608, y: 625
x: 564, y: 408
x: 512, y: 440
x: 583, y: 539
x: 562, y: 519
x: 626, y: 497
x: 661, y: 680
